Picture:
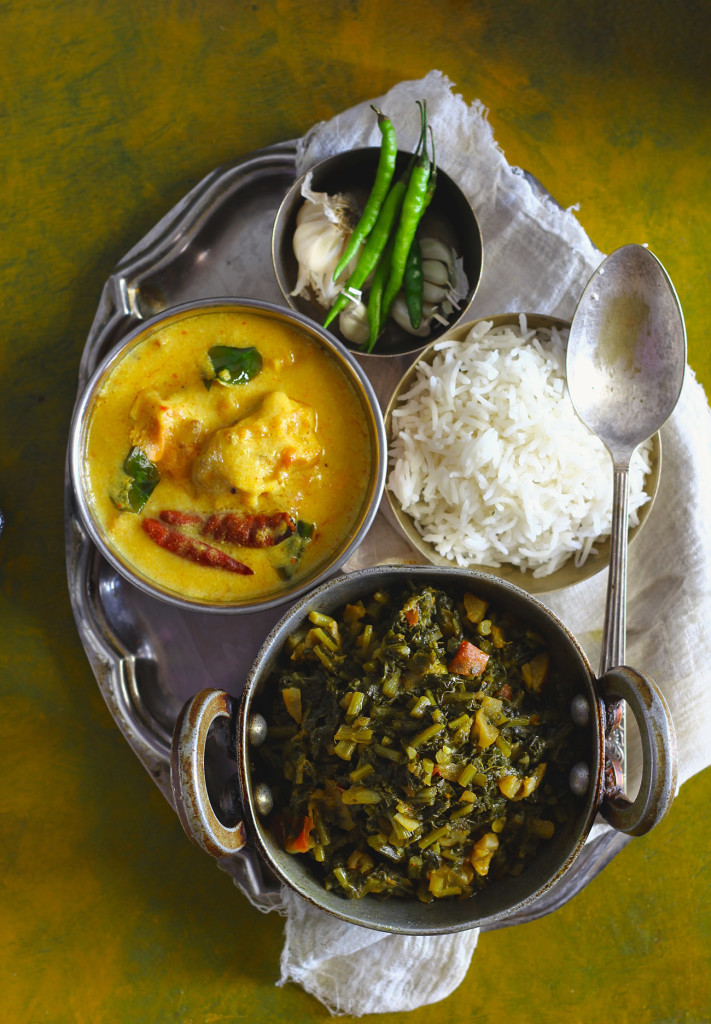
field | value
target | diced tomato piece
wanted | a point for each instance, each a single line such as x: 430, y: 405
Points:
x: 301, y: 843
x: 412, y: 616
x: 468, y: 661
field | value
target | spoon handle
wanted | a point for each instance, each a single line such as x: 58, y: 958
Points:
x: 615, y: 625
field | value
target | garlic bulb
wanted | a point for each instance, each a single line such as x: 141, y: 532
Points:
x: 353, y: 323
x: 323, y: 226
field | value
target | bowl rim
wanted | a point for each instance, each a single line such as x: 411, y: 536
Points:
x: 285, y: 211
x: 567, y: 574
x: 79, y: 428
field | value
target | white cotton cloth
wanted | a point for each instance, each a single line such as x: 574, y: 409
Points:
x: 537, y: 259
x: 357, y: 970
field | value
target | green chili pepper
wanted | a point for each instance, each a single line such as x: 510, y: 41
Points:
x: 414, y: 280
x: 377, y: 239
x: 413, y: 283
x: 375, y: 295
x: 383, y: 178
x: 413, y: 207
x: 432, y: 183
x: 140, y: 477
x: 373, y: 248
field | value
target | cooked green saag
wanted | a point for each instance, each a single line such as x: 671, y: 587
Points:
x: 416, y: 745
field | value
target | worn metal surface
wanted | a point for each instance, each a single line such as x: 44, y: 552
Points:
x: 188, y: 776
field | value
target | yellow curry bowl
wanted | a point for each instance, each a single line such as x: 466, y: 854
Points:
x: 227, y: 455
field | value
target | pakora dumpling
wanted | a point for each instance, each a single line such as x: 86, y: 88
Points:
x: 254, y: 455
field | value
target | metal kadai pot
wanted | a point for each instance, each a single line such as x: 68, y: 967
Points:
x: 593, y: 705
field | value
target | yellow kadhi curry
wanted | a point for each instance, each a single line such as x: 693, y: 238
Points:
x: 227, y: 455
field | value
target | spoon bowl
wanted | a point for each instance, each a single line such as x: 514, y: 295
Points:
x: 627, y: 350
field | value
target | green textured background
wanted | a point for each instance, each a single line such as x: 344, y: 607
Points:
x: 111, y: 111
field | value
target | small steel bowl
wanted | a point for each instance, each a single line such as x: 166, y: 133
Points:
x: 449, y: 217
x: 332, y: 560
x: 569, y: 573
x: 588, y: 701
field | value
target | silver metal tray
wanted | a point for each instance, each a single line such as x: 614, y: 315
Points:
x: 147, y: 656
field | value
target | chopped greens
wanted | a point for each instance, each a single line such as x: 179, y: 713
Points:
x: 418, y: 745
x: 231, y: 365
x: 138, y: 481
x: 294, y: 547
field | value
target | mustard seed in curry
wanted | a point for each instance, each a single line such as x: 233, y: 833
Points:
x: 227, y: 453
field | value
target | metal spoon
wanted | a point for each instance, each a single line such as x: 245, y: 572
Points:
x: 625, y: 368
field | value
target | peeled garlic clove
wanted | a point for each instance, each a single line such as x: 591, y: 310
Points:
x: 433, y: 292
x: 434, y: 249
x: 436, y: 272
x: 353, y: 323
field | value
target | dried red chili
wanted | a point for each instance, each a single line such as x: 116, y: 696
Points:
x: 258, y: 530
x: 255, y: 530
x: 193, y: 550
x: 176, y: 518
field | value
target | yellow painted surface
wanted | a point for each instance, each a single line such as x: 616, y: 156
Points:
x: 111, y: 110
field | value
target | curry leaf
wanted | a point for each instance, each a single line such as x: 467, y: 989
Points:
x: 294, y: 547
x: 139, y: 480
x: 234, y: 365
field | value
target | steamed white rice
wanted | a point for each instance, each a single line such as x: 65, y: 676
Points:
x: 491, y: 461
